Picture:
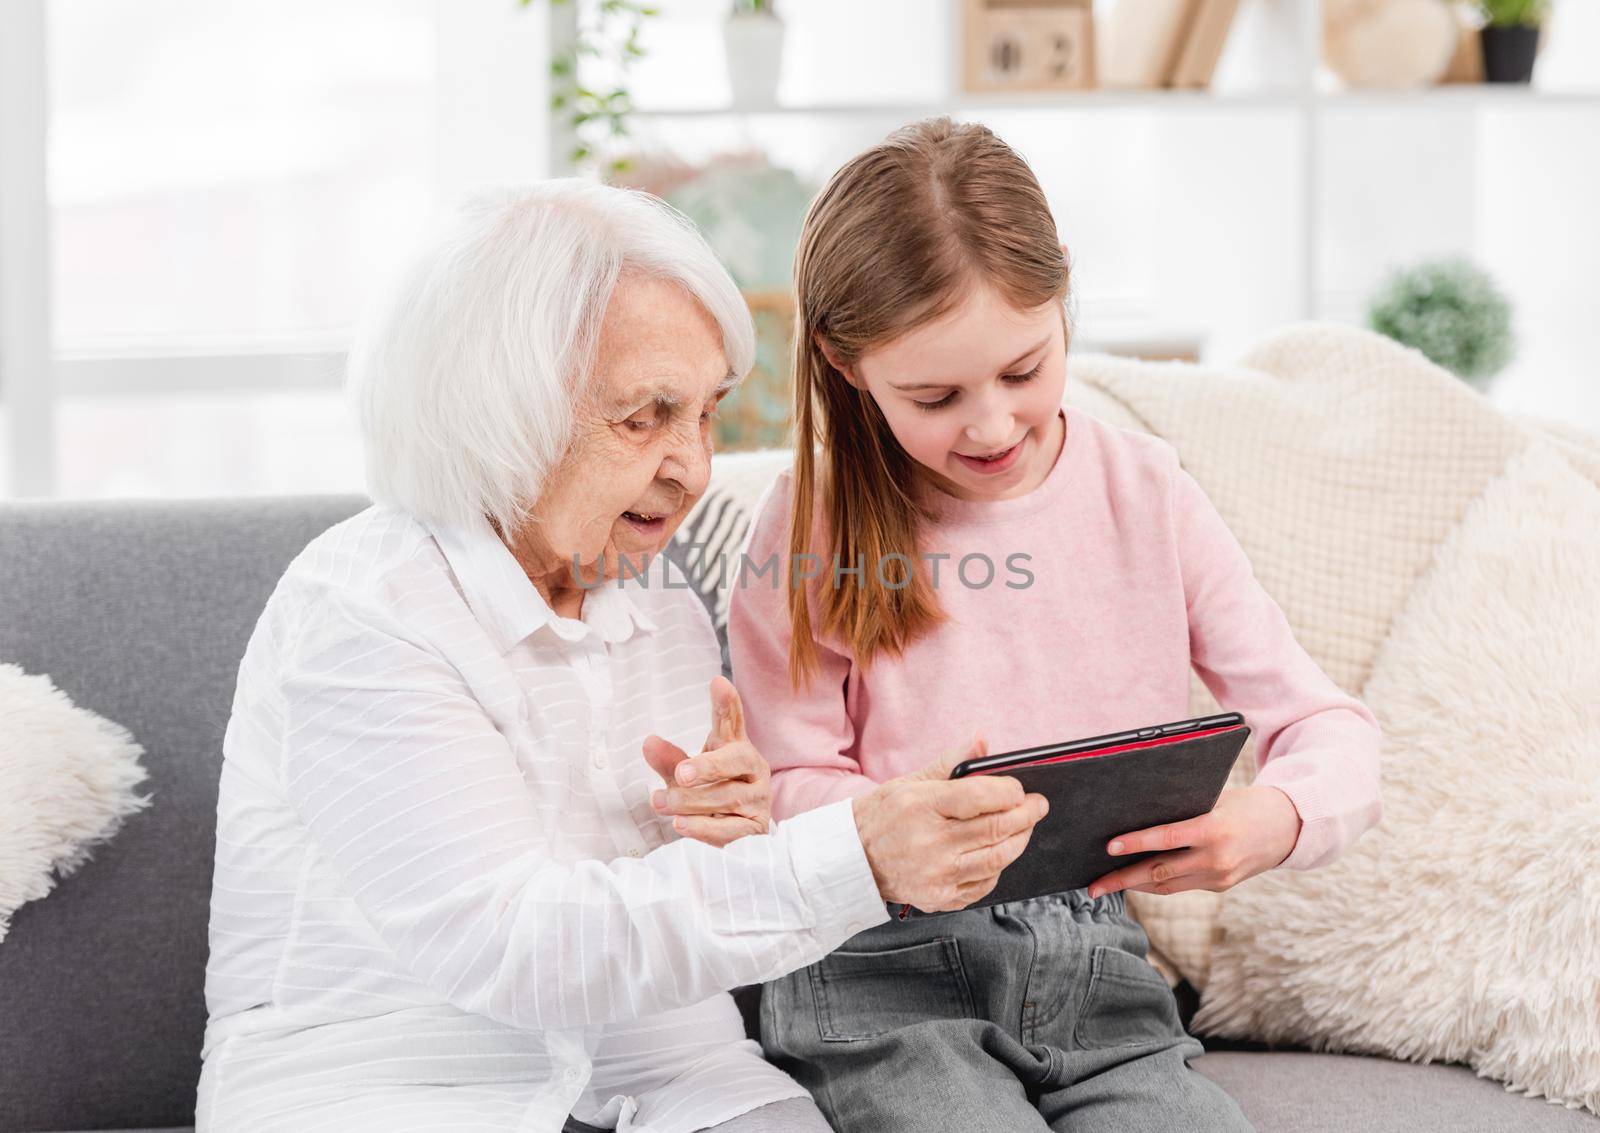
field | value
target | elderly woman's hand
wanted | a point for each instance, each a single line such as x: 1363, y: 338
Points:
x: 940, y: 844
x: 723, y: 793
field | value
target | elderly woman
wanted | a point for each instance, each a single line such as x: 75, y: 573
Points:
x: 449, y: 892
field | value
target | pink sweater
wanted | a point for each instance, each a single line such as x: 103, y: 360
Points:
x: 1134, y: 579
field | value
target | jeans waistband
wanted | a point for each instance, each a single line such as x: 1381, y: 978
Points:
x: 1076, y: 900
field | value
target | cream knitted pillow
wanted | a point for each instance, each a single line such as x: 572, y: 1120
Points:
x: 1466, y: 926
x: 1340, y: 460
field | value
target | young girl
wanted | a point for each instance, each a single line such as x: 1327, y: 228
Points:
x: 984, y: 557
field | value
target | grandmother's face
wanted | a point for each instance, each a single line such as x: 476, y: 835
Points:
x: 641, y: 451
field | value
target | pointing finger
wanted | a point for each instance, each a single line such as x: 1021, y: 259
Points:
x: 727, y: 713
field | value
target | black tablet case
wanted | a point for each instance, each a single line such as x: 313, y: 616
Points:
x: 1094, y: 798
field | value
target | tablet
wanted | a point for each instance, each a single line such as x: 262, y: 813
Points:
x: 1108, y: 785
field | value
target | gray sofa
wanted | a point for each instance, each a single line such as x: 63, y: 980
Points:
x: 141, y: 611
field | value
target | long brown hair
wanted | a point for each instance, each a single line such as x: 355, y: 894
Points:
x: 896, y: 239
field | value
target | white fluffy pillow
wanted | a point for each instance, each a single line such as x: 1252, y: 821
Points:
x: 66, y: 784
x: 1466, y: 926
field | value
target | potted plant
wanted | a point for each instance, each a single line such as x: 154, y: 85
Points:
x: 753, y: 38
x: 1511, y: 38
x: 1451, y: 311
x: 596, y: 113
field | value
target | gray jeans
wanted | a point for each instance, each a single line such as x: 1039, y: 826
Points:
x: 1029, y: 1015
x: 792, y: 1115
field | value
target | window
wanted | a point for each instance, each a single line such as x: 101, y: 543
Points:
x: 229, y: 175
x: 229, y: 183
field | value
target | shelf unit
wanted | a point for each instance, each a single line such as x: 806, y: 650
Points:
x: 1478, y: 94
x: 1299, y: 88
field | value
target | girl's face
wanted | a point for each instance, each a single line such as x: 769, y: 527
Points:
x: 975, y: 396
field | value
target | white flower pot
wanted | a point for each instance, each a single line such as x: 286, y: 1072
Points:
x: 754, y: 44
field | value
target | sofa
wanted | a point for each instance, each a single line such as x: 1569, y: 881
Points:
x: 140, y: 611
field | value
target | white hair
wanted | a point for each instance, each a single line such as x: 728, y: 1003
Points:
x: 465, y: 374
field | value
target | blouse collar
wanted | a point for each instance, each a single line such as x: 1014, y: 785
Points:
x: 508, y: 605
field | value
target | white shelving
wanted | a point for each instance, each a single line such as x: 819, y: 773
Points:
x: 1270, y: 79
x: 1463, y: 95
x: 1080, y: 101
x: 1308, y: 105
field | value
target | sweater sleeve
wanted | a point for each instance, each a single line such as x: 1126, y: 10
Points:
x: 1314, y: 742
x: 805, y: 735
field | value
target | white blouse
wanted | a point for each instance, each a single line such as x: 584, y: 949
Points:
x: 442, y: 898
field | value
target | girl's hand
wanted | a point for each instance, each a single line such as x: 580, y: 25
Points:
x: 723, y: 793
x: 1251, y: 830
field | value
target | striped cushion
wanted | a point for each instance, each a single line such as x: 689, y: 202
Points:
x: 708, y: 544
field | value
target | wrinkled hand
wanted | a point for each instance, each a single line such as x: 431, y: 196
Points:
x: 723, y: 793
x: 1249, y: 831
x: 940, y: 845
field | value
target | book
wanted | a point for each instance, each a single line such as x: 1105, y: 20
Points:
x: 1208, y: 33
x: 1143, y: 41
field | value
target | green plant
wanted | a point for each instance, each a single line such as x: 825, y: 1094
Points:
x: 598, y: 112
x: 1514, y: 13
x: 1452, y: 312
x: 753, y: 7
